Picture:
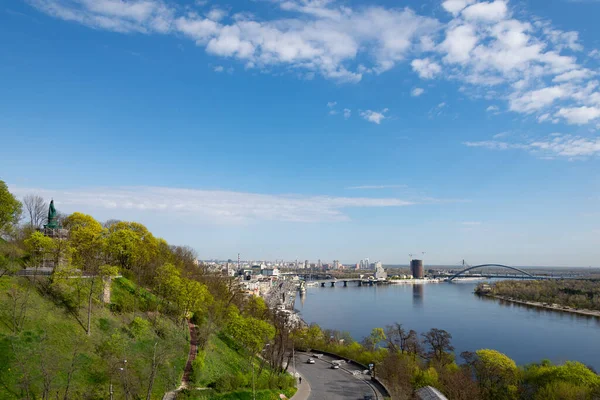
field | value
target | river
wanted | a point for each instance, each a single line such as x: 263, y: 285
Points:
x: 526, y: 334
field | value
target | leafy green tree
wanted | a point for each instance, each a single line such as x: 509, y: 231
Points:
x: 561, y: 390
x: 39, y: 246
x: 250, y: 333
x: 10, y: 210
x: 87, y: 238
x: 133, y: 248
x: 497, y: 374
x: 553, y: 380
x: 377, y: 336
x: 194, y: 296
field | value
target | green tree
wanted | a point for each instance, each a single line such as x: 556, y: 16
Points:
x: 87, y: 238
x: 39, y: 246
x: 250, y: 333
x: 377, y: 336
x: 563, y: 391
x: 10, y: 210
x: 133, y: 248
x: 497, y: 374
x: 194, y: 296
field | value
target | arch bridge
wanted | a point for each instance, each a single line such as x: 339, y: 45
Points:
x: 490, y: 265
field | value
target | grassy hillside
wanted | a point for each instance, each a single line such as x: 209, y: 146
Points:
x: 45, y: 352
x: 223, y: 367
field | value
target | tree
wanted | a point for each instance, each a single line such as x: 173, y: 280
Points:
x: 10, y: 258
x: 87, y: 239
x: 36, y: 209
x: 133, y: 248
x: 193, y: 295
x: 377, y: 336
x: 438, y: 341
x: 15, y: 314
x: 39, y: 246
x: 250, y: 333
x: 497, y: 374
x: 10, y: 210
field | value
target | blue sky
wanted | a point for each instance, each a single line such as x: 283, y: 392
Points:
x: 314, y: 128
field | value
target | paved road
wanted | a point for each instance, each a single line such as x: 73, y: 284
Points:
x: 332, y: 384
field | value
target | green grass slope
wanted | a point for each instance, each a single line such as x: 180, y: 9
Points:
x: 45, y: 352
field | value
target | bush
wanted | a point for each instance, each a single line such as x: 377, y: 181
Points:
x: 139, y: 327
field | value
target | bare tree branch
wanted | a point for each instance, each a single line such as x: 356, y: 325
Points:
x: 36, y: 210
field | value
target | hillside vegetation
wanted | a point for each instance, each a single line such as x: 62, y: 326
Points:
x: 62, y: 336
x: 49, y: 355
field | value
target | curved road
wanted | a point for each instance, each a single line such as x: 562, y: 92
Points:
x: 333, y: 384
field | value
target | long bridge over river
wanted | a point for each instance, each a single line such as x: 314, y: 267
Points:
x: 516, y: 273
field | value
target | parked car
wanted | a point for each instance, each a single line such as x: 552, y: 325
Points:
x: 335, y: 366
x: 310, y: 361
x: 368, y: 396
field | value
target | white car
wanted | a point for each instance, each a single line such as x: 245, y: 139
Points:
x: 310, y: 361
x: 335, y: 366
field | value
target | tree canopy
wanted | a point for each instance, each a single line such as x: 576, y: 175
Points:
x: 10, y: 210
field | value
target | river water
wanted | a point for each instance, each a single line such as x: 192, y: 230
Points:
x: 526, y: 334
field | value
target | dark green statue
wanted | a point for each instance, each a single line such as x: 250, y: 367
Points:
x: 52, y: 217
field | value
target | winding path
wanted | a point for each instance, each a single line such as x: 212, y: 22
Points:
x: 185, y: 380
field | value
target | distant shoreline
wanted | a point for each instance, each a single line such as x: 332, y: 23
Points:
x: 555, y: 307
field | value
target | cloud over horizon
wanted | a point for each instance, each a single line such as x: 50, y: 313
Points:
x: 220, y: 206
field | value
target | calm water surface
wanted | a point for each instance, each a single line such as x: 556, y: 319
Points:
x: 526, y: 334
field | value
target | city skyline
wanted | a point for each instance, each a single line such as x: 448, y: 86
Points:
x: 322, y: 128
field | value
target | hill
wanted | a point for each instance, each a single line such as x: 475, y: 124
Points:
x: 44, y: 350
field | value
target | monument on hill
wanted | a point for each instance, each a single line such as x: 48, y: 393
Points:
x: 52, y: 217
x: 54, y: 230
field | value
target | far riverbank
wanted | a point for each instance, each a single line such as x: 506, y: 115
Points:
x: 555, y: 307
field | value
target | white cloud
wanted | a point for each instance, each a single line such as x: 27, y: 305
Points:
x: 536, y: 99
x: 331, y: 104
x: 543, y: 117
x: 579, y: 115
x: 218, y: 68
x: 216, y: 14
x: 555, y: 145
x: 416, y: 92
x: 492, y: 109
x: 212, y: 205
x: 370, y: 187
x: 347, y: 113
x: 374, y: 116
x: 316, y: 36
x: 486, y: 11
x: 574, y: 75
x: 458, y: 44
x: 489, y: 48
x: 426, y: 68
x: 455, y: 6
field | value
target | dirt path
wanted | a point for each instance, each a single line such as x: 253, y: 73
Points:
x: 191, y: 356
x: 187, y: 372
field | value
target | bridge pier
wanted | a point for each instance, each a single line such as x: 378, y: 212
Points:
x: 345, y: 283
x: 359, y: 283
x: 332, y: 284
x: 322, y: 284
